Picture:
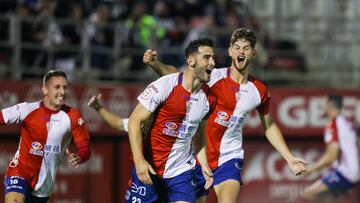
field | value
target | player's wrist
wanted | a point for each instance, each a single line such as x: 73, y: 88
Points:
x: 97, y: 107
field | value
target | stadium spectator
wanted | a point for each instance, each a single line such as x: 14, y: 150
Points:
x: 45, y: 136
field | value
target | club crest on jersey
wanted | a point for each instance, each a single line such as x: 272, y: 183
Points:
x: 188, y: 106
x: 36, y: 149
x: 238, y: 96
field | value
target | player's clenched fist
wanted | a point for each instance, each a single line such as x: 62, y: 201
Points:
x: 94, y: 102
x: 150, y: 57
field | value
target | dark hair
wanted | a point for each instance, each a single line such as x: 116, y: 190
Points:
x: 53, y: 73
x: 243, y: 33
x: 194, y: 45
x: 336, y: 100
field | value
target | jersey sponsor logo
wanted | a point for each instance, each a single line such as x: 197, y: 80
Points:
x: 184, y: 131
x: 141, y: 190
x: 45, y: 118
x: 189, y: 98
x: 222, y: 115
x: 36, y: 145
x: 81, y: 121
x: 46, y: 150
x: 221, y: 118
x: 146, y: 94
x: 171, y: 125
x: 152, y: 87
x: 51, y: 150
x: 36, y: 149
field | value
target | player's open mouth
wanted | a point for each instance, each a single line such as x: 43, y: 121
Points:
x: 60, y: 98
x: 241, y: 59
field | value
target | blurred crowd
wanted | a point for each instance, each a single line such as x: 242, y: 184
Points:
x: 144, y: 24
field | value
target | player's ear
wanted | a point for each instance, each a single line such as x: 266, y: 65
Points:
x: 190, y: 61
x: 254, y: 52
x: 44, y: 90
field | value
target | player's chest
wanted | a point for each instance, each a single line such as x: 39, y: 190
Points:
x: 47, y: 126
x: 193, y: 107
x: 236, y: 99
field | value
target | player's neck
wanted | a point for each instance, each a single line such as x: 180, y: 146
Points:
x: 48, y: 105
x: 239, y: 76
x: 190, y: 82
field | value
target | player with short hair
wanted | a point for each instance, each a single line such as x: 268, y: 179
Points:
x: 238, y: 94
x: 342, y: 155
x: 47, y: 128
x: 164, y: 159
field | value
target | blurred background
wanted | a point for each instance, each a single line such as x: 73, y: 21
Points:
x: 305, y: 49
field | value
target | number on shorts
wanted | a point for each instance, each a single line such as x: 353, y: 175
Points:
x: 14, y: 181
x: 135, y: 200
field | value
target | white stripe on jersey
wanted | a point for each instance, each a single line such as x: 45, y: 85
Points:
x: 349, y: 162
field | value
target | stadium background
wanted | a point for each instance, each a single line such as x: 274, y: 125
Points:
x: 306, y: 48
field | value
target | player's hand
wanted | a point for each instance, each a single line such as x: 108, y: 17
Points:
x: 309, y: 171
x: 73, y: 158
x: 297, y: 166
x: 150, y: 57
x: 208, y: 175
x: 142, y: 168
x: 94, y: 102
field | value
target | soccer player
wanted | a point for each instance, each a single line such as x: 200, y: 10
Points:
x: 238, y: 94
x: 164, y: 159
x: 47, y: 127
x: 342, y: 155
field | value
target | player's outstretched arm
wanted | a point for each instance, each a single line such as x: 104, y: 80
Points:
x: 142, y: 167
x: 330, y: 155
x: 275, y: 137
x: 200, y: 151
x: 113, y: 120
x: 150, y: 58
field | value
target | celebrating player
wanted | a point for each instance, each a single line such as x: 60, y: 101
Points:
x: 178, y: 102
x: 47, y: 127
x: 238, y: 94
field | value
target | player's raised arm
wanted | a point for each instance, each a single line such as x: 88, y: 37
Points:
x: 275, y: 137
x: 113, y: 120
x: 150, y: 58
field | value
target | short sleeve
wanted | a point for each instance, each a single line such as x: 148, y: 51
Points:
x: 16, y: 113
x: 212, y: 103
x: 125, y: 124
x: 331, y: 133
x: 264, y: 105
x: 158, y: 91
x: 78, y: 127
